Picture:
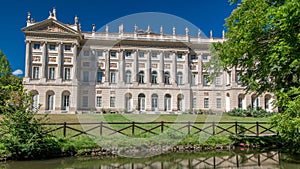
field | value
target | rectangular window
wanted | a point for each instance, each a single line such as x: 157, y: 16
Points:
x: 86, y: 53
x: 99, y: 101
x: 112, y: 101
x: 99, y: 53
x: 67, y: 47
x: 193, y: 57
x: 35, y: 73
x: 52, y: 47
x: 194, y: 102
x: 85, y: 101
x: 154, y: 55
x: 204, y: 57
x: 206, y: 80
x: 51, y: 73
x: 218, y: 80
x: 179, y: 55
x: 141, y: 54
x: 127, y: 54
x: 206, y: 103
x: 67, y: 73
x: 99, y: 77
x: 239, y: 78
x: 219, y: 103
x: 112, y: 77
x: 167, y: 55
x: 36, y: 46
x: 193, y: 80
x: 113, y: 54
x: 86, y: 76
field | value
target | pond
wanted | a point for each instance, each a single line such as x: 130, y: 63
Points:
x: 210, y: 159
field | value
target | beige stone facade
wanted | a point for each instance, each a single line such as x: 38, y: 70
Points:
x: 70, y: 71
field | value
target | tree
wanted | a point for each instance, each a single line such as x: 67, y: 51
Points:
x: 263, y: 40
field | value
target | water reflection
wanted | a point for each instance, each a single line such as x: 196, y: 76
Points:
x: 212, y: 159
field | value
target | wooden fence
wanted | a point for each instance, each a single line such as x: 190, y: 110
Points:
x: 154, y: 128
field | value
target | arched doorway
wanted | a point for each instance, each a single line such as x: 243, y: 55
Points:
x: 154, y: 102
x: 50, y: 100
x: 141, y: 102
x: 180, y: 102
x: 65, y: 104
x: 128, y: 101
x: 167, y: 101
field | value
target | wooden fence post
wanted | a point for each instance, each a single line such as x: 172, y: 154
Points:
x: 132, y: 130
x: 65, y: 129
x: 236, y: 128
x: 213, y: 128
x: 101, y: 128
x: 257, y: 129
x: 162, y: 126
x: 189, y: 127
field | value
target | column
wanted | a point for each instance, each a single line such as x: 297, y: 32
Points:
x: 149, y: 68
x: 186, y: 73
x: 75, y: 49
x: 135, y: 67
x: 59, y: 61
x: 107, y: 66
x: 161, y: 68
x: 28, y: 59
x: 200, y: 69
x: 121, y: 66
x: 174, y: 68
x: 44, y: 60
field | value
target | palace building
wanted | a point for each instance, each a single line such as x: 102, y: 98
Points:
x: 71, y: 71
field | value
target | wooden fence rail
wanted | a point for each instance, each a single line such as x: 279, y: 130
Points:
x: 155, y: 128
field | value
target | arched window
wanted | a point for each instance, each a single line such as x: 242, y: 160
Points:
x: 141, y: 102
x: 167, y: 78
x: 254, y: 101
x: 167, y: 102
x: 154, y: 77
x: 179, y: 78
x: 154, y: 102
x: 50, y: 100
x: 35, y: 100
x: 128, y: 101
x: 268, y: 104
x: 241, y: 101
x: 141, y: 77
x: 180, y: 102
x: 65, y: 101
x: 128, y: 77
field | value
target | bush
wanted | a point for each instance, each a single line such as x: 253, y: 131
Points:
x: 250, y: 112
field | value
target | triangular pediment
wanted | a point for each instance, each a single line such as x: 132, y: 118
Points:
x: 50, y: 26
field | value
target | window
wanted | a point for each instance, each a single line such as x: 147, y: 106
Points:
x: 141, y: 54
x: 193, y: 57
x: 179, y: 78
x: 36, y: 46
x: 127, y: 54
x: 128, y: 101
x: 228, y: 78
x: 67, y: 73
x: 85, y: 101
x: 67, y: 47
x: 35, y: 73
x: 99, y: 53
x: 112, y: 101
x: 167, y: 55
x: 99, y: 76
x: 255, y: 102
x: 219, y: 103
x: 51, y: 73
x: 206, y: 80
x: 179, y: 55
x: 35, y: 99
x: 86, y: 53
x: 113, y: 54
x: 99, y: 101
x: 52, y: 47
x: 204, y: 57
x: 141, y: 77
x: 168, y: 102
x: 154, y: 102
x: 50, y: 101
x: 193, y: 79
x: 238, y: 78
x: 206, y: 103
x: 154, y: 55
x: 141, y: 102
x: 194, y: 102
x: 167, y: 78
x: 128, y: 77
x: 112, y: 77
x: 66, y: 101
x: 218, y: 80
x: 240, y: 101
x: 85, y: 76
x: 154, y: 77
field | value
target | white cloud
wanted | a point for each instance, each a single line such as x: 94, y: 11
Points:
x: 17, y: 72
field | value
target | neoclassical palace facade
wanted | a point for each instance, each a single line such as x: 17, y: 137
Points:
x: 71, y: 71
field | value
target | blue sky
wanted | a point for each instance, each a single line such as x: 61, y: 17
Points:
x: 204, y: 14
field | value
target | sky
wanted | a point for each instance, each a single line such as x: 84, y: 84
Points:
x: 203, y: 14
